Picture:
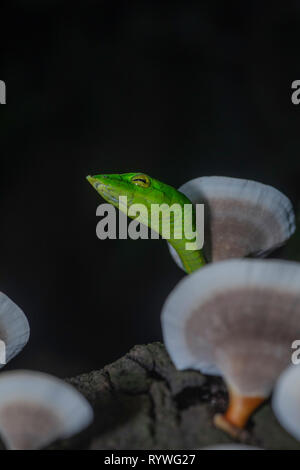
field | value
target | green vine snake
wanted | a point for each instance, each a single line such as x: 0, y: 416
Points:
x: 142, y: 189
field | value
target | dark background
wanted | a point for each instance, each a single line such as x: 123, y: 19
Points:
x: 173, y: 89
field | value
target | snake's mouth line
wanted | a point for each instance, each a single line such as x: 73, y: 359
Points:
x: 105, y: 192
x: 110, y: 197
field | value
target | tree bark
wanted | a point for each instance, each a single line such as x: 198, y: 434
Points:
x: 142, y: 402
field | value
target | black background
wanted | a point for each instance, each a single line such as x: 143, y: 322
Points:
x: 173, y: 89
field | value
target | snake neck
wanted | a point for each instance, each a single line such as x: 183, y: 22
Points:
x: 191, y: 260
x: 190, y: 255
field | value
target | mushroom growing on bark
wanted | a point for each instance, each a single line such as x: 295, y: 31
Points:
x: 286, y: 400
x: 238, y: 319
x: 37, y: 408
x: 242, y: 217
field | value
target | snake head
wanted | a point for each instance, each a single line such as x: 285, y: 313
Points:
x: 139, y: 188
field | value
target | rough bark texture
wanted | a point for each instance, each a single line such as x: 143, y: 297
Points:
x: 142, y: 402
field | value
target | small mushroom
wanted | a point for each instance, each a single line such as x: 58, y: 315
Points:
x: 286, y: 400
x: 235, y: 318
x: 14, y: 328
x: 37, y: 408
x: 242, y: 217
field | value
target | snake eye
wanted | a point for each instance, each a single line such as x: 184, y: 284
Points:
x: 141, y: 180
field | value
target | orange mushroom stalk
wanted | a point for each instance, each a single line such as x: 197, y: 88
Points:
x: 239, y: 410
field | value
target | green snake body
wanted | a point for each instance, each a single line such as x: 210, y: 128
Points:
x: 142, y: 189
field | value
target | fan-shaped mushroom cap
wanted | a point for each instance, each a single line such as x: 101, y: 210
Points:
x: 14, y: 327
x: 242, y: 217
x: 286, y: 400
x: 236, y: 318
x: 37, y: 408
